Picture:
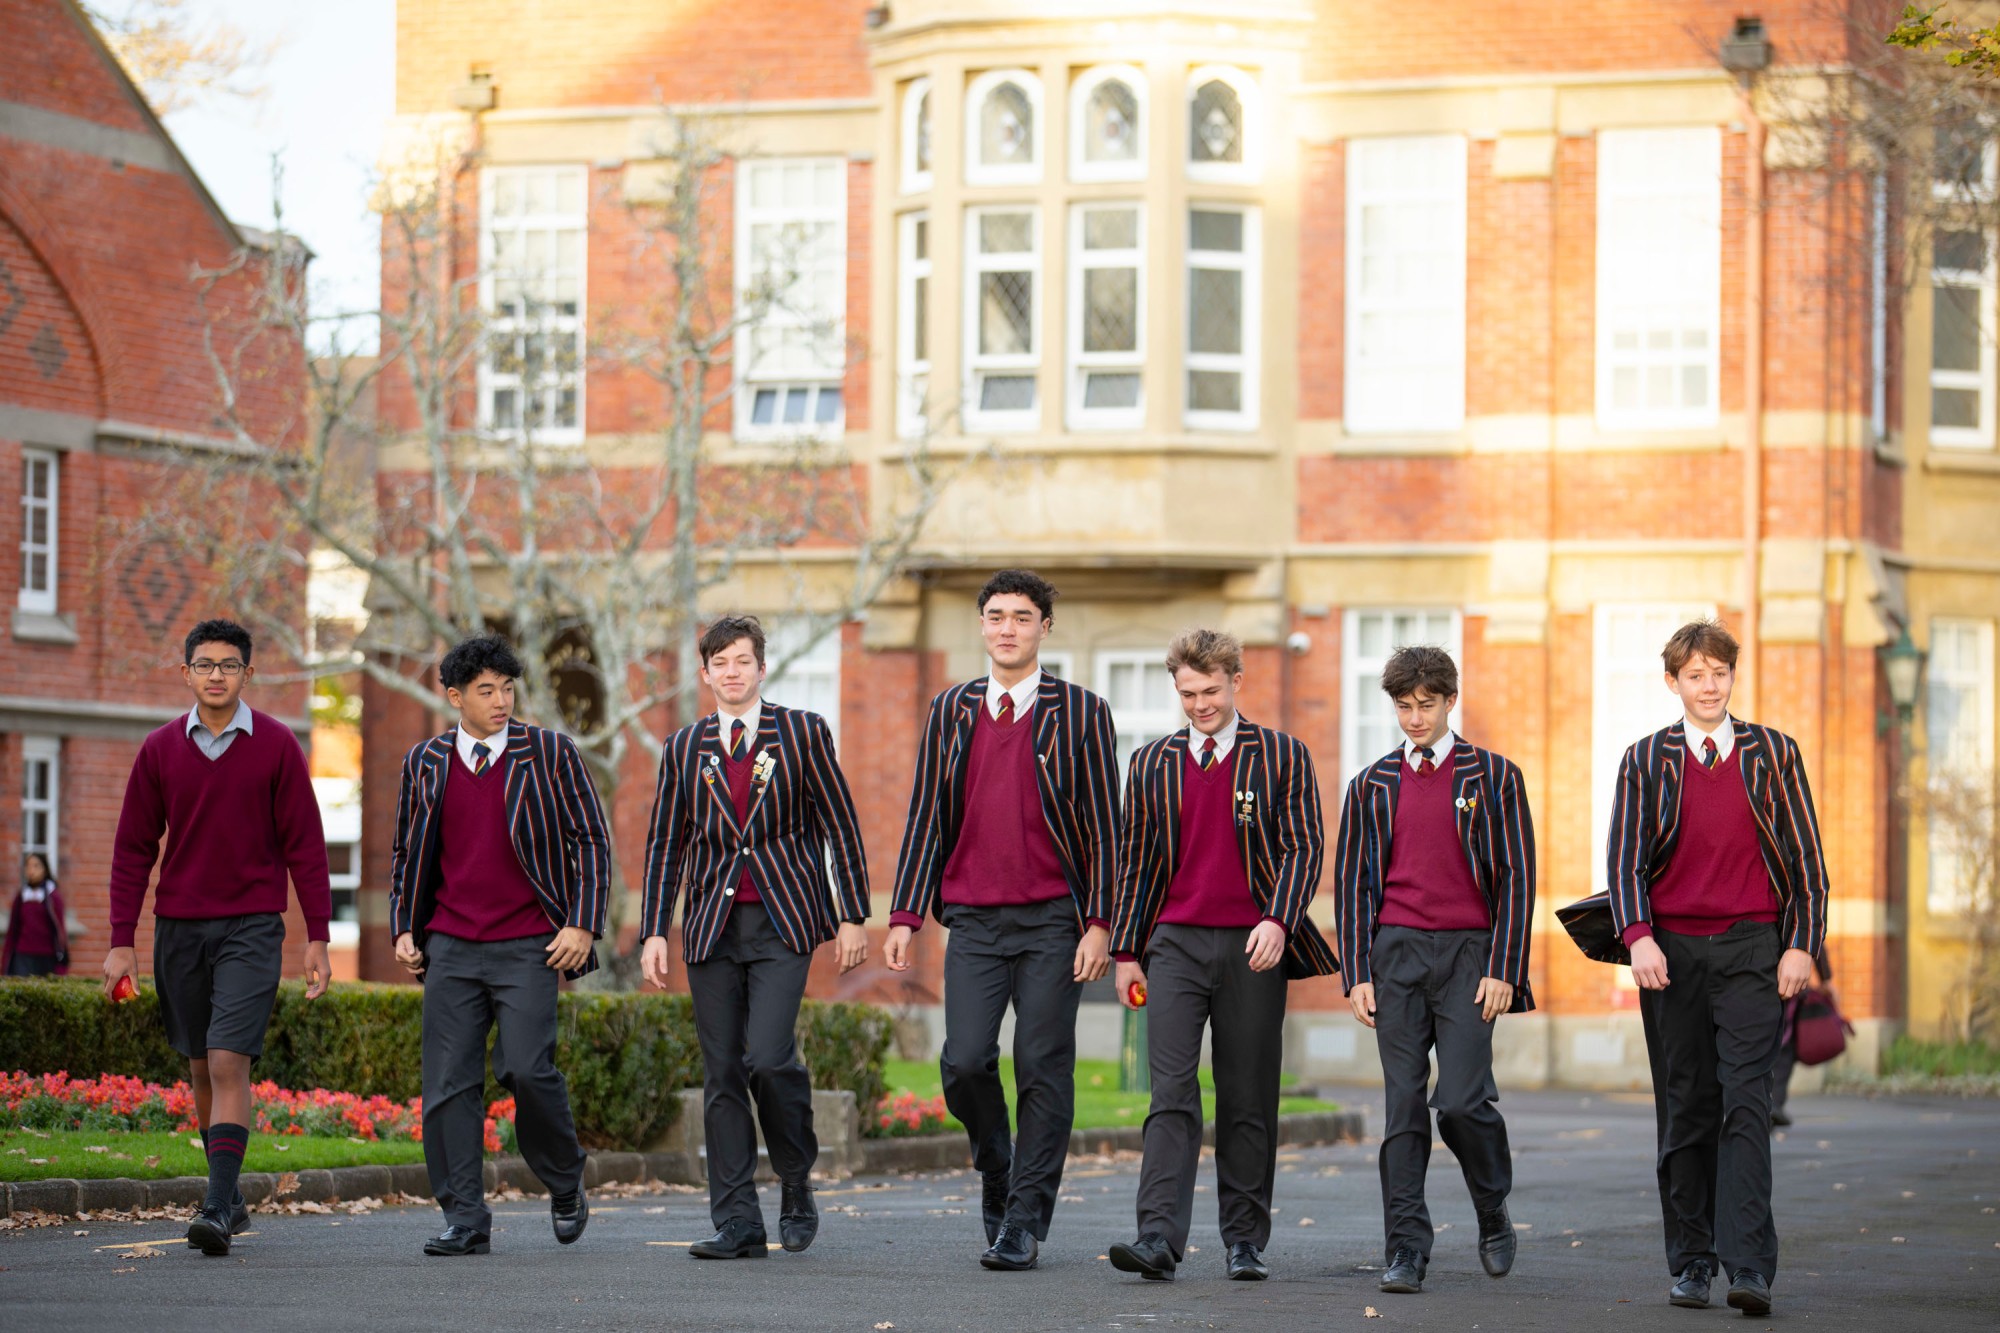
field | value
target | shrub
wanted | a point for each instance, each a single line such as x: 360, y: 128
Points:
x: 627, y: 1055
x: 905, y: 1114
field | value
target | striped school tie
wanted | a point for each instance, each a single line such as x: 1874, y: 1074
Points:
x: 739, y: 733
x: 1426, y: 768
x: 1208, y: 754
x: 480, y: 756
x: 1710, y: 756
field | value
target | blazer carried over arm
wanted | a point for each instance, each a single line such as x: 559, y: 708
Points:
x: 1076, y: 771
x: 1645, y: 827
x: 553, y: 819
x: 799, y: 813
x: 1495, y: 830
x: 1281, y: 838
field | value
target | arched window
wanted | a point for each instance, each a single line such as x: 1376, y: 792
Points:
x: 1003, y: 130
x: 917, y: 136
x: 1108, y: 125
x: 1223, y: 125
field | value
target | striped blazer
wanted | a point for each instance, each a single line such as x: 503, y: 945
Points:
x: 1645, y: 825
x: 1282, y: 841
x: 797, y: 816
x: 553, y: 818
x: 1077, y: 774
x: 1496, y: 830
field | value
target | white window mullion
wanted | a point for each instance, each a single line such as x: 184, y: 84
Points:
x: 810, y: 679
x: 1963, y: 361
x: 1406, y: 283
x: 1958, y: 732
x: 791, y: 290
x: 1369, y: 637
x: 1144, y: 705
x: 533, y: 225
x: 1223, y: 318
x: 41, y: 797
x: 1003, y: 317
x: 41, y: 513
x: 918, y: 110
x: 913, y: 351
x: 1107, y: 116
x: 1003, y: 128
x: 1107, y: 316
x: 1659, y: 277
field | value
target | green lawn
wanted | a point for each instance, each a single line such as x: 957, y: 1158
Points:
x: 27, y: 1154
x: 1099, y: 1103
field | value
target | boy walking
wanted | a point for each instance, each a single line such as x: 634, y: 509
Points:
x: 229, y: 788
x: 497, y: 887
x: 1436, y: 882
x: 1718, y: 887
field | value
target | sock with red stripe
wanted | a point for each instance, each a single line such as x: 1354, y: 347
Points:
x: 225, y: 1163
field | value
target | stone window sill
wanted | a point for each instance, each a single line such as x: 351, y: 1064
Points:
x: 42, y: 627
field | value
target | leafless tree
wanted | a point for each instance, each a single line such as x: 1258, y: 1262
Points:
x: 1961, y: 811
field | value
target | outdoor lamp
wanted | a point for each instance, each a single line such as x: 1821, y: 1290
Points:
x: 1903, y: 664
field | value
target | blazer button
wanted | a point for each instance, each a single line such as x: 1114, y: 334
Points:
x: 730, y: 891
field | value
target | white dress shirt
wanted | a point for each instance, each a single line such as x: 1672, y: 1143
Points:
x: 494, y: 745
x: 1225, y: 740
x: 209, y: 742
x: 1724, y: 736
x: 1439, y: 752
x: 1024, y: 694
x: 752, y: 720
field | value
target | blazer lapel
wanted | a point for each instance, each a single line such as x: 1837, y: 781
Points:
x: 1048, y: 717
x: 970, y: 700
x: 1173, y: 779
x: 767, y: 743
x: 1757, y: 778
x: 520, y: 767
x: 708, y: 761
x: 1249, y: 794
x: 1467, y: 790
x: 437, y: 761
x: 1672, y: 760
x: 1386, y: 777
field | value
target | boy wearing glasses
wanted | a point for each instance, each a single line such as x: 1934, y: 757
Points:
x: 229, y: 788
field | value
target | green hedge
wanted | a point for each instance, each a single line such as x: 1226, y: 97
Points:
x: 627, y: 1055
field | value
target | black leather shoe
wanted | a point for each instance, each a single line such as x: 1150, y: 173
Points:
x: 570, y: 1214
x: 1780, y: 1118
x: 239, y: 1220
x: 1245, y: 1264
x: 1750, y: 1293
x: 1406, y: 1271
x: 798, y: 1216
x: 993, y: 1202
x: 457, y: 1241
x: 737, y: 1239
x: 1149, y: 1256
x: 1497, y: 1242
x: 209, y: 1231
x: 1691, y: 1290
x: 1014, y: 1250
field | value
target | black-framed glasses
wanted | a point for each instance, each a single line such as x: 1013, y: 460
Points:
x: 207, y: 668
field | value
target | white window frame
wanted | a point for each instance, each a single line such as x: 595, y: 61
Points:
x: 977, y: 364
x: 1060, y: 665
x: 828, y: 377
x: 490, y: 380
x: 913, y: 374
x: 47, y: 463
x: 1135, y: 727
x: 1945, y: 895
x: 1383, y: 394
x: 814, y: 679
x: 1248, y: 97
x: 1016, y: 173
x: 1639, y: 182
x: 1083, y: 364
x: 1249, y: 362
x: 42, y: 750
x: 1361, y: 676
x: 1615, y: 721
x: 1979, y: 192
x: 1081, y: 168
x: 915, y: 178
x: 1981, y: 381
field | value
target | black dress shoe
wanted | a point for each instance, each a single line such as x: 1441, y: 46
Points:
x: 1691, y: 1290
x: 738, y: 1238
x: 1497, y: 1242
x: 209, y: 1231
x: 1406, y: 1271
x: 239, y: 1220
x: 1245, y: 1264
x: 1014, y: 1250
x: 993, y: 1202
x: 1780, y: 1117
x: 570, y: 1214
x: 798, y: 1216
x: 1149, y: 1256
x: 457, y: 1241
x: 1750, y: 1293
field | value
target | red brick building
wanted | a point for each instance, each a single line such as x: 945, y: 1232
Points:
x: 103, y: 386
x: 1527, y: 330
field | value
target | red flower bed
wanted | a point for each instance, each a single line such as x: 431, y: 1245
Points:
x: 115, y: 1103
x: 902, y: 1114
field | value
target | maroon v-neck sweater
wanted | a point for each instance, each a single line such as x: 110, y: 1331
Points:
x: 236, y: 828
x: 1004, y: 853
x: 737, y: 772
x: 483, y: 894
x: 1429, y: 883
x: 1210, y: 887
x: 1717, y: 876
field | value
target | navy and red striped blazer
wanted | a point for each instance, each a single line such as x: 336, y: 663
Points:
x: 1496, y: 830
x: 1646, y: 816
x: 1283, y: 842
x: 553, y: 819
x: 799, y: 815
x: 1077, y: 771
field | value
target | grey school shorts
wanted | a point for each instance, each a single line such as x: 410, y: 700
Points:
x: 218, y: 979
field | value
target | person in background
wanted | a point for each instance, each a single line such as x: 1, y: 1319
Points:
x: 37, y: 938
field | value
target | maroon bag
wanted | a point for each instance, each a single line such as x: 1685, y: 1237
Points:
x: 1819, y: 1031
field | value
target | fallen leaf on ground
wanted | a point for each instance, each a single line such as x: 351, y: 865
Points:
x: 1371, y: 1313
x: 885, y: 1324
x: 1305, y: 1221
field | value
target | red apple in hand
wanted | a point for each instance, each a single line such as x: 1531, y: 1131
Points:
x: 125, y: 989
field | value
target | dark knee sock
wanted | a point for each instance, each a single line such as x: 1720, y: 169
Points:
x: 225, y: 1162
x: 235, y: 1198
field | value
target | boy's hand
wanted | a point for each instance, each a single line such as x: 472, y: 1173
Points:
x: 119, y: 963
x: 1493, y: 997
x: 1361, y: 999
x: 319, y: 971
